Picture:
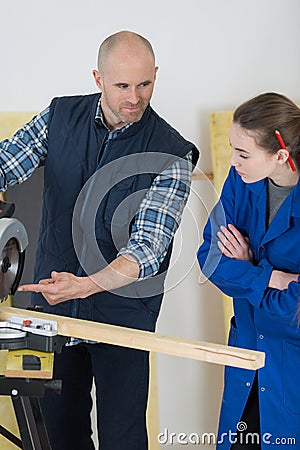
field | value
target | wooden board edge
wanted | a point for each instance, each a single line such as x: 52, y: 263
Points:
x: 145, y: 340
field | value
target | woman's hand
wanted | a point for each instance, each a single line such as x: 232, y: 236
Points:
x: 281, y: 280
x: 233, y: 244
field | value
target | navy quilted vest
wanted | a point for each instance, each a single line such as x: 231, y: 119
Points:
x: 86, y: 219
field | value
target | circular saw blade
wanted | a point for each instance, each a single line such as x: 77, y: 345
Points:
x: 9, y: 264
x: 10, y: 333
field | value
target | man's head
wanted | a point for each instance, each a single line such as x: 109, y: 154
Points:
x: 126, y: 75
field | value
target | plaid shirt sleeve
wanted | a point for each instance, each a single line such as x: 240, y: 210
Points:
x: 24, y: 151
x: 159, y: 216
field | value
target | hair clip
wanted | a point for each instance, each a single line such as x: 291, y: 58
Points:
x: 283, y: 146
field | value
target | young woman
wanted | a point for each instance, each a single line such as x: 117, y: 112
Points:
x: 251, y: 252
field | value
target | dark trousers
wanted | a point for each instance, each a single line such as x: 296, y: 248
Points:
x: 121, y: 377
x: 251, y: 418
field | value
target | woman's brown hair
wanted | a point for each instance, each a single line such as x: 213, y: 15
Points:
x: 266, y: 113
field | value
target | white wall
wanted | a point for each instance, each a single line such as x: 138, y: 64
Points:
x: 212, y: 55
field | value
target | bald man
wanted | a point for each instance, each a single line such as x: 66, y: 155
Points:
x: 116, y: 180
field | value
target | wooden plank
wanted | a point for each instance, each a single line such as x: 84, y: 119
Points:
x: 3, y: 361
x: 152, y: 418
x: 202, y: 176
x: 221, y: 153
x: 12, y: 121
x: 220, y: 148
x: 14, y: 364
x: 145, y: 340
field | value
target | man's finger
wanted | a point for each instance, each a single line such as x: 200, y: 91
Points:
x: 46, y: 281
x: 33, y: 288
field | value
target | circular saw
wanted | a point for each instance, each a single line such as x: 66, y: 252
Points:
x: 13, y: 242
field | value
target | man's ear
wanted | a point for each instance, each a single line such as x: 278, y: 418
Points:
x: 97, y: 78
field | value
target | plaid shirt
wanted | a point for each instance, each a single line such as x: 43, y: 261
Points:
x: 159, y: 214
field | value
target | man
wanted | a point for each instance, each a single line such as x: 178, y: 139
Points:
x: 117, y: 178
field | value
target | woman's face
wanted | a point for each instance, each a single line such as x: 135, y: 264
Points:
x: 251, y: 162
